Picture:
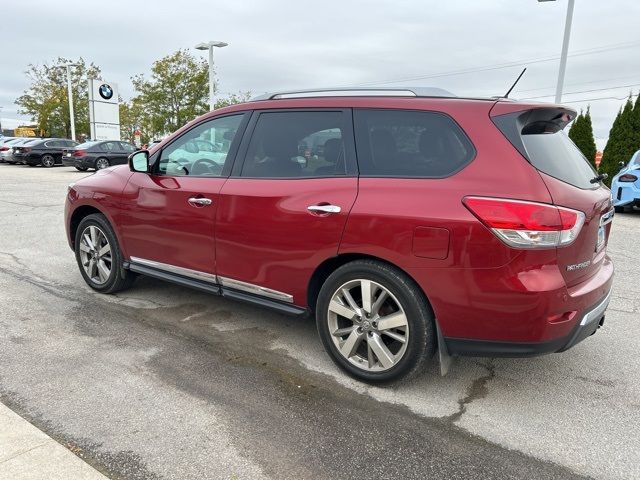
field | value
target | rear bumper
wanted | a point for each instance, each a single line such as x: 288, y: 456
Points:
x: 590, y: 321
x: 625, y: 193
x: 80, y: 162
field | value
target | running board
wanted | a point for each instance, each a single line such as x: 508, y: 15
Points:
x: 226, y: 291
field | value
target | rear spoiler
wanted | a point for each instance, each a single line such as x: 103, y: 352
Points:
x: 530, y: 121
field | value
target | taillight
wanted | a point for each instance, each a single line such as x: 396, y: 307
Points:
x: 4, y: 149
x: 627, y: 177
x: 79, y: 153
x: 26, y: 149
x: 522, y: 224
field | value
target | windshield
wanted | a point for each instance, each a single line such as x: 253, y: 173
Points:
x: 556, y: 155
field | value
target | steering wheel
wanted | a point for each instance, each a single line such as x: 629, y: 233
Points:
x: 206, y: 166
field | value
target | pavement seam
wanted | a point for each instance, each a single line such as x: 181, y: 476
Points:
x: 18, y: 454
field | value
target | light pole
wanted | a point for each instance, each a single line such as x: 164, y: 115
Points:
x: 210, y: 46
x: 565, y: 48
x: 70, y: 96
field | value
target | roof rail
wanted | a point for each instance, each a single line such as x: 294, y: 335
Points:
x: 358, y: 92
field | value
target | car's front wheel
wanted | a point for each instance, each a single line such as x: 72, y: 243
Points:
x: 99, y: 256
x: 375, y: 322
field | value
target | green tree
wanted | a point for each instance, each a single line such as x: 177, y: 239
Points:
x: 176, y: 92
x: 623, y: 141
x: 46, y: 99
x: 132, y: 118
x: 581, y: 132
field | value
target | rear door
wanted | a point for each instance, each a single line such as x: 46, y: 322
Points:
x: 281, y: 214
x: 571, y: 181
x: 167, y: 219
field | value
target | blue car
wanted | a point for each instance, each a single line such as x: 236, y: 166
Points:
x: 625, y: 186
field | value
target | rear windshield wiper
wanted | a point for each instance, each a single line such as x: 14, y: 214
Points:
x: 599, y: 178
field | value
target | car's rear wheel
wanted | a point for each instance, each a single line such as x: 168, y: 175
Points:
x: 375, y: 322
x: 48, y: 161
x: 99, y: 256
x: 81, y: 169
x: 102, y: 163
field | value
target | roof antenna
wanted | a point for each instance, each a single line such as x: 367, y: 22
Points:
x: 506, y: 95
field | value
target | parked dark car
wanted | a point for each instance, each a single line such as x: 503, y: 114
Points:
x: 97, y: 154
x: 431, y: 223
x: 47, y: 152
x: 8, y: 148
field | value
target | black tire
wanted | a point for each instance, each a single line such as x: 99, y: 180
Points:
x: 421, y: 343
x: 119, y: 278
x: 82, y: 169
x: 47, y: 161
x: 100, y: 160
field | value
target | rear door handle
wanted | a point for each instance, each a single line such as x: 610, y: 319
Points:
x: 324, y: 208
x: 200, y: 201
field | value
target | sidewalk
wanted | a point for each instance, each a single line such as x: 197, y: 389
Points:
x: 26, y: 453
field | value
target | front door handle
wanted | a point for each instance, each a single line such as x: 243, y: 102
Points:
x: 200, y: 201
x: 324, y: 208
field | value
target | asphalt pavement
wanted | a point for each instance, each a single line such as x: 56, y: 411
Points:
x: 164, y: 382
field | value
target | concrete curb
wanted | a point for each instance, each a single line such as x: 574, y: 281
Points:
x: 27, y: 453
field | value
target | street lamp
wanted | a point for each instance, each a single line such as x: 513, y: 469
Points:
x: 565, y: 48
x: 210, y: 46
x: 70, y: 95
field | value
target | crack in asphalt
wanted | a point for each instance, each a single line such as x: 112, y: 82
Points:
x: 476, y: 391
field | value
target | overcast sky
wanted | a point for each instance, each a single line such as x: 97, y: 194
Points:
x: 276, y: 44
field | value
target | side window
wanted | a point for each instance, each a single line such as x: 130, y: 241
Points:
x: 296, y: 144
x: 127, y: 147
x: 52, y: 144
x: 202, y: 151
x: 410, y: 143
x: 111, y: 146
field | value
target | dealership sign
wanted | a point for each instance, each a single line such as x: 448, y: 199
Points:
x: 104, y: 113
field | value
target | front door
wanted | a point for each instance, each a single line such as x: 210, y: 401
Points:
x: 168, y: 216
x: 283, y: 211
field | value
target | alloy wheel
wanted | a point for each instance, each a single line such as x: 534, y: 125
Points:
x: 368, y: 325
x: 95, y: 254
x: 48, y: 161
x: 102, y: 163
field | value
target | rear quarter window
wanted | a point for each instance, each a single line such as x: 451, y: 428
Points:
x: 556, y: 155
x: 410, y: 143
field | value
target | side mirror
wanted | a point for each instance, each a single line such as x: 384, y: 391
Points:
x: 139, y: 161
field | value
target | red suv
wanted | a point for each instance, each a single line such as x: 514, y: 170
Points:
x: 418, y: 222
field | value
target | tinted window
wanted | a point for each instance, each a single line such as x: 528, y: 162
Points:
x: 111, y: 146
x: 556, y: 155
x: 70, y: 143
x: 202, y: 151
x: 53, y: 144
x: 407, y: 143
x: 86, y: 145
x: 296, y: 144
x: 127, y: 147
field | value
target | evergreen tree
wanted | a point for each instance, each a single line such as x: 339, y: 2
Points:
x: 623, y: 142
x: 581, y: 132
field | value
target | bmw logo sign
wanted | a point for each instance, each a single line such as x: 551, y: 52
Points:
x: 105, y: 91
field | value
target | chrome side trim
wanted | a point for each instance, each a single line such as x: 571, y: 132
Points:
x: 255, y: 289
x: 186, y: 272
x: 596, y: 312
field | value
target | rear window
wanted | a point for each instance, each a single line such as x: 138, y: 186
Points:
x: 556, y: 155
x: 410, y: 143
